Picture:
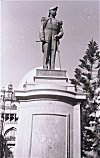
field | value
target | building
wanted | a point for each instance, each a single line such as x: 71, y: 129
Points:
x: 9, y: 118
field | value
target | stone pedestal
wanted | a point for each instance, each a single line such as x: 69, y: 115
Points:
x: 49, y: 117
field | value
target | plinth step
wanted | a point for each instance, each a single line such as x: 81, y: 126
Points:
x: 50, y: 78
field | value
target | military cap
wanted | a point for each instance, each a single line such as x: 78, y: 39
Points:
x: 54, y: 8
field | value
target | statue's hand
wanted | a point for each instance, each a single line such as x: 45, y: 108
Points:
x: 42, y: 40
x: 56, y: 37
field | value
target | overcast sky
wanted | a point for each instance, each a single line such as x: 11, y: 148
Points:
x: 20, y: 23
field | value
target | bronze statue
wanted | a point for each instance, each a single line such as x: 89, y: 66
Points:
x: 50, y: 33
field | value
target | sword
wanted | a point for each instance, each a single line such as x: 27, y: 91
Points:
x: 58, y: 54
x: 59, y: 58
x: 38, y: 41
x: 42, y: 41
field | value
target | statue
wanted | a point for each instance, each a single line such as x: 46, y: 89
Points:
x: 50, y: 33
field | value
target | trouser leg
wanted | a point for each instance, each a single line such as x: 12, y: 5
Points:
x: 53, y: 54
x: 46, y: 56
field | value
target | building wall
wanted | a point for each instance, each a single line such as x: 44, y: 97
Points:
x: 8, y: 114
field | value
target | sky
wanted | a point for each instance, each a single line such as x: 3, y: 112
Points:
x: 20, y: 24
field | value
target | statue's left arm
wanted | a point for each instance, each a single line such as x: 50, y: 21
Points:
x: 60, y: 34
x: 60, y: 31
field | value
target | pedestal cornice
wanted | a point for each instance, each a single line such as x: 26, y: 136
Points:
x: 50, y: 94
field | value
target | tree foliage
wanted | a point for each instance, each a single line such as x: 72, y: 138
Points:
x: 5, y: 151
x: 87, y: 79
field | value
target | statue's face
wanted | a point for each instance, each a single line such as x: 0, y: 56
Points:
x: 53, y: 12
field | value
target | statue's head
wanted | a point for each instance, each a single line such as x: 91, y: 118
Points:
x: 52, y: 11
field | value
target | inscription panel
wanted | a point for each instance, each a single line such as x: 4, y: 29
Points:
x: 49, y: 136
x: 42, y: 72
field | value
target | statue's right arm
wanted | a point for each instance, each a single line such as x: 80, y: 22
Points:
x: 42, y: 34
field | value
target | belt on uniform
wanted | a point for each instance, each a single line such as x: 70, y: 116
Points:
x: 52, y: 29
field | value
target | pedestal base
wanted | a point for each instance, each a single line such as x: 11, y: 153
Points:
x: 49, y: 118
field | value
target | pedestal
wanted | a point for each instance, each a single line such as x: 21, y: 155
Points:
x: 49, y: 117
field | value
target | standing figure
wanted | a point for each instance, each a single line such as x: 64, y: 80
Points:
x: 50, y: 33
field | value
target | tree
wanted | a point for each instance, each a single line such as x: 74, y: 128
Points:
x: 87, y: 80
x: 4, y: 149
